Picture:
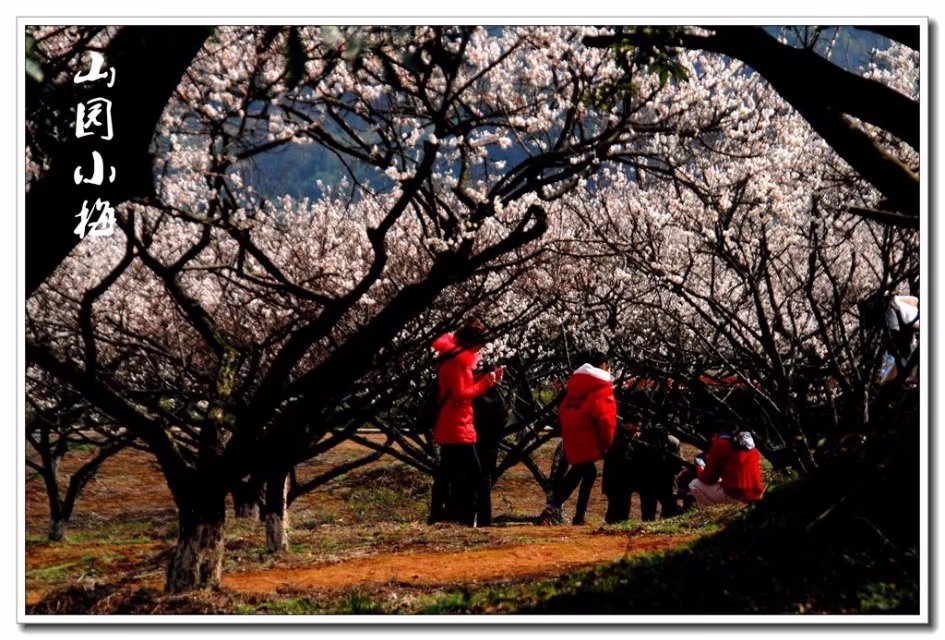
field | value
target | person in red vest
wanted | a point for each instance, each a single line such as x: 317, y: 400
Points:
x: 588, y: 415
x: 731, y: 472
x: 459, y: 470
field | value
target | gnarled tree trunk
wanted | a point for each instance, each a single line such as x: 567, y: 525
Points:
x: 57, y: 520
x: 275, y: 512
x: 57, y: 529
x: 248, y: 498
x: 197, y: 559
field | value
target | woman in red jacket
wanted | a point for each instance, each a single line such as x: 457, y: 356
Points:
x: 459, y: 469
x: 732, y: 472
x: 588, y: 415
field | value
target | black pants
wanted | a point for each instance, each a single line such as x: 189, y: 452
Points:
x: 488, y: 455
x: 619, y: 497
x: 456, y: 484
x: 618, y: 502
x: 583, y: 473
x: 439, y: 495
x: 660, y: 490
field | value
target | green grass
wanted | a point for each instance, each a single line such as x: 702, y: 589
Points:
x: 449, y: 602
x: 356, y: 602
x: 765, y: 560
x: 106, y: 537
x: 90, y: 557
x: 544, y: 396
x: 697, y: 520
x: 238, y: 527
x: 882, y: 597
x: 353, y: 602
x: 318, y: 517
x: 324, y: 544
x: 292, y: 606
x: 85, y: 537
x: 56, y: 572
x: 394, y: 494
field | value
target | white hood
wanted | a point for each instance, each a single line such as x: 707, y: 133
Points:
x: 591, y: 370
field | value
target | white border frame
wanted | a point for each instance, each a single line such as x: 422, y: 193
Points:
x: 922, y: 618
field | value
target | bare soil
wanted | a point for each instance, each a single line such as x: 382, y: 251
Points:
x: 363, y: 531
x: 534, y: 558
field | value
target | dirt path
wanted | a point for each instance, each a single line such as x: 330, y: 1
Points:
x: 506, y: 562
x: 364, y: 530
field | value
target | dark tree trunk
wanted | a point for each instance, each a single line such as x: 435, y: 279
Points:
x: 57, y: 529
x: 62, y: 515
x: 57, y: 523
x: 275, y: 511
x: 197, y: 559
x: 248, y: 497
x: 803, y: 457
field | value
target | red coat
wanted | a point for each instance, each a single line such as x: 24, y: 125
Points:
x: 454, y: 424
x: 588, y: 415
x: 739, y: 470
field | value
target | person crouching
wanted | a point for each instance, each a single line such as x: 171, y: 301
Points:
x: 730, y: 473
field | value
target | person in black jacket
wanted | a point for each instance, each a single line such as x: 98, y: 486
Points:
x: 619, y: 475
x: 657, y: 464
x: 490, y: 415
x: 643, y: 459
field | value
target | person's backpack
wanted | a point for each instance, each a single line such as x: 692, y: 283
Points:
x: 490, y: 413
x: 430, y: 406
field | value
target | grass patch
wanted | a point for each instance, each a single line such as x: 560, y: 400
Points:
x: 353, y: 602
x: 106, y: 538
x: 446, y: 603
x: 357, y: 602
x: 391, y: 494
x: 298, y: 548
x: 292, y: 606
x: 242, y: 608
x: 239, y: 527
x: 317, y: 518
x: 56, y: 572
x: 325, y: 544
x: 697, y: 520
x: 90, y: 558
x: 85, y: 537
x: 883, y: 597
x: 767, y: 560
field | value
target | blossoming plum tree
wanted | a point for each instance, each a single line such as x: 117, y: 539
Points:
x: 233, y: 333
x: 733, y: 250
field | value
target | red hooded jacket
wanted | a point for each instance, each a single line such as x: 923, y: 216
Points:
x: 588, y: 415
x: 454, y: 424
x: 739, y: 470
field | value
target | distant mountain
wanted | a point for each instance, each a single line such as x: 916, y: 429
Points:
x: 295, y: 169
